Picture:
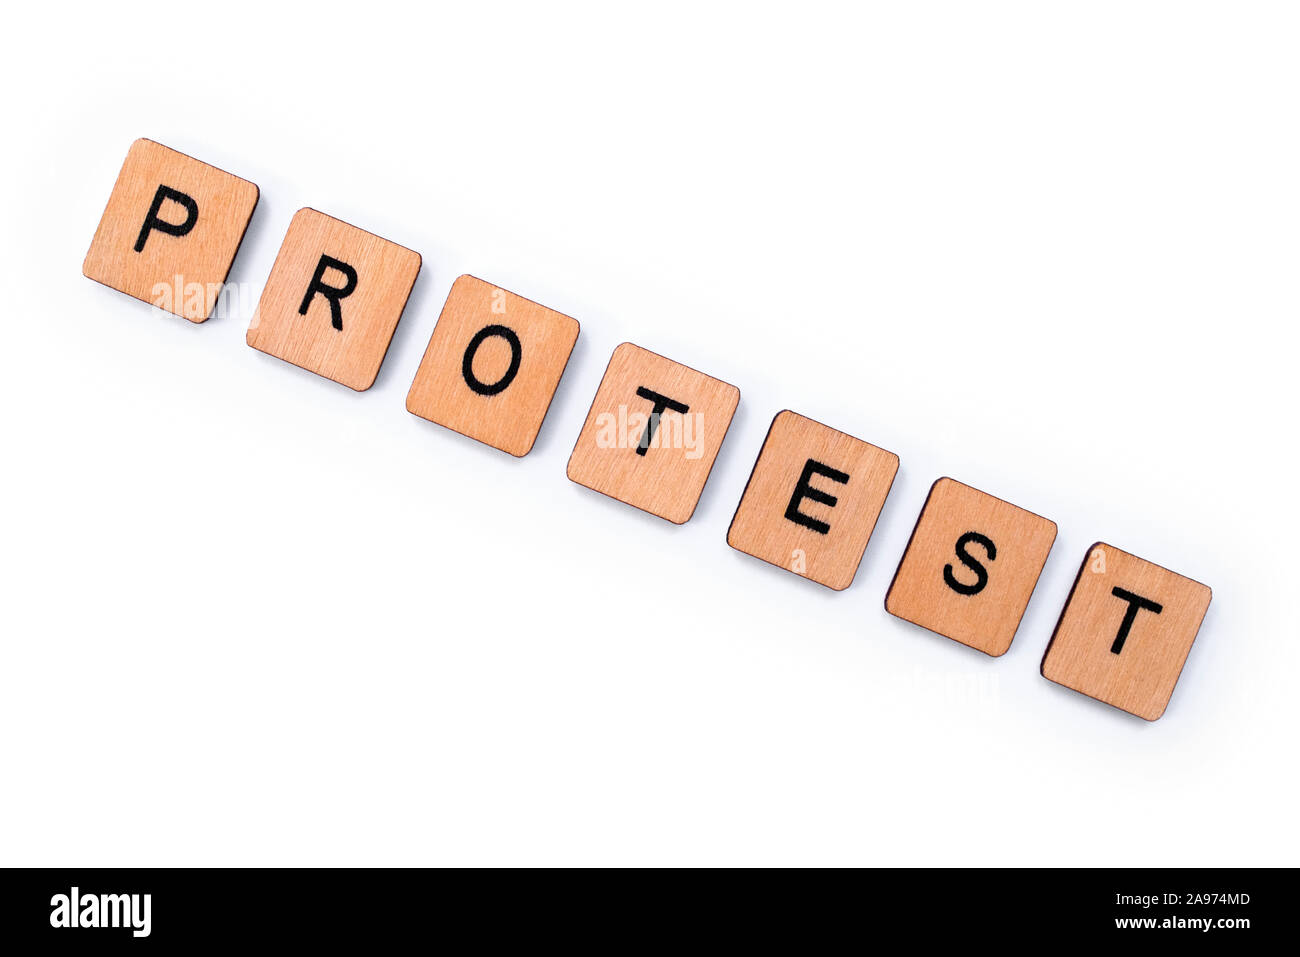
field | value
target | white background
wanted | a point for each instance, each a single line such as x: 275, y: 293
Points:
x: 252, y: 617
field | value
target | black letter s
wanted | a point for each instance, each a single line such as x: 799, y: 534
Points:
x: 971, y: 562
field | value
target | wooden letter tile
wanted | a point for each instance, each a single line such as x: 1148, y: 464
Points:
x: 653, y: 432
x: 170, y: 231
x: 492, y: 366
x: 812, y: 500
x: 970, y: 567
x: 1125, y: 631
x: 333, y: 299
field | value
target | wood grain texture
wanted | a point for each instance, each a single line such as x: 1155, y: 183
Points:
x: 986, y: 619
x: 669, y: 477
x: 805, y: 534
x: 508, y: 419
x: 351, y: 355
x: 181, y: 274
x: 1140, y: 676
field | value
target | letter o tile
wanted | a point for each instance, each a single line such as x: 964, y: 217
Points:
x: 492, y: 365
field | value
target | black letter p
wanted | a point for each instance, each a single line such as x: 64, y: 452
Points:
x: 153, y: 222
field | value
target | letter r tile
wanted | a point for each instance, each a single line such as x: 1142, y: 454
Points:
x: 812, y: 500
x: 333, y: 299
x: 970, y: 567
x: 492, y: 366
x: 653, y: 433
x: 1125, y: 631
x: 170, y: 231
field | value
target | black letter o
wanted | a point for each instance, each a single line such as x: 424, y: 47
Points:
x: 467, y: 365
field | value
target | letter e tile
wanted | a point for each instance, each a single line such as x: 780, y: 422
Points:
x: 1125, y: 632
x: 812, y: 500
x: 970, y: 566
